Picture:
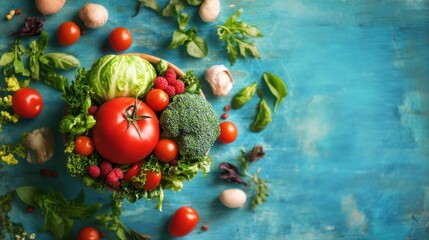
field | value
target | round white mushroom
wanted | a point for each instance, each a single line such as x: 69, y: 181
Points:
x: 93, y: 15
x: 233, y: 198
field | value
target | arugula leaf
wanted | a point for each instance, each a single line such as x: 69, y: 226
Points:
x: 236, y: 33
x: 195, y: 45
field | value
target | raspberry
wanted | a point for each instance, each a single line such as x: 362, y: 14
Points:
x: 92, y: 110
x: 179, y: 86
x: 118, y: 173
x: 160, y: 83
x: 170, y: 75
x: 170, y: 90
x: 112, y: 178
x: 105, y: 168
x: 94, y: 171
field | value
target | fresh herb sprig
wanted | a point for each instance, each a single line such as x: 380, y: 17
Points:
x: 195, y: 45
x: 59, y: 212
x: 236, y: 34
x: 8, y: 228
x: 173, y: 7
x: 112, y: 222
x: 42, y: 66
x: 231, y: 173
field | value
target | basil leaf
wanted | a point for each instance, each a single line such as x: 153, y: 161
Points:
x: 34, y: 68
x: 263, y: 118
x: 61, y: 60
x: 43, y: 41
x: 173, y: 8
x: 197, y: 47
x: 276, y: 86
x: 29, y: 194
x: 183, y: 21
x: 179, y: 38
x: 6, y: 58
x: 244, y: 96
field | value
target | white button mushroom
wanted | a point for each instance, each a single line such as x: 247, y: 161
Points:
x: 233, y: 198
x: 220, y: 79
x: 209, y: 10
x: 93, y: 15
x: 49, y: 7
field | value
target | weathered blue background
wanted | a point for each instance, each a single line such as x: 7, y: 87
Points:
x: 347, y: 152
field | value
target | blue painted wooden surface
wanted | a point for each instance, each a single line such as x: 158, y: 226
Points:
x: 347, y: 152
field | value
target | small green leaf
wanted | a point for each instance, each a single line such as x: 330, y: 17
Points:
x: 42, y: 42
x: 263, y: 118
x: 61, y: 60
x: 197, y: 47
x: 179, y: 38
x: 29, y: 194
x: 194, y: 2
x: 173, y: 8
x: 152, y: 4
x: 6, y: 58
x: 276, y: 86
x: 243, y: 96
x: 183, y: 21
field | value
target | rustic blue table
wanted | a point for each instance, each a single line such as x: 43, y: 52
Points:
x: 347, y: 152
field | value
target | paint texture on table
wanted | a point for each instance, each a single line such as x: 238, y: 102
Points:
x: 347, y: 152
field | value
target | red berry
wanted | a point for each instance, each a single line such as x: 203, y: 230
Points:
x: 227, y: 108
x: 224, y: 116
x: 112, y: 178
x: 204, y: 227
x: 18, y: 11
x: 160, y: 83
x: 94, y: 171
x: 29, y: 209
x: 92, y: 110
x: 179, y: 86
x: 119, y: 173
x: 105, y: 168
x: 170, y: 90
x: 170, y: 75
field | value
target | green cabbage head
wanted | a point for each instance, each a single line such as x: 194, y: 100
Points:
x: 120, y: 75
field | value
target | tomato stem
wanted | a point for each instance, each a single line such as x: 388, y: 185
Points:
x: 133, y: 117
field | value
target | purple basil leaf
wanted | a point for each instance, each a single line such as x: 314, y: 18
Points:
x: 230, y: 173
x: 256, y: 153
x: 32, y: 26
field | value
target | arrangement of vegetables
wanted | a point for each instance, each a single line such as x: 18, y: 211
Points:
x: 117, y: 141
x: 132, y: 127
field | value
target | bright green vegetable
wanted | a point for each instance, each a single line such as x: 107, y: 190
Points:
x: 59, y: 212
x: 193, y: 124
x: 244, y: 96
x: 276, y: 86
x: 236, y: 33
x: 264, y: 116
x: 120, y: 75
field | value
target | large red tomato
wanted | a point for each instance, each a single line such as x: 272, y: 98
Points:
x: 126, y: 130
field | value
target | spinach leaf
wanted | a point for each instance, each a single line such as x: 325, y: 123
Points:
x: 263, y: 118
x: 276, y: 86
x: 243, y: 96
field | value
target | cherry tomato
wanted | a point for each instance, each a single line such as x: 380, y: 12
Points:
x: 152, y: 180
x: 118, y: 138
x: 68, y: 33
x: 88, y: 233
x: 228, y: 132
x: 157, y: 99
x: 27, y: 103
x: 183, y: 221
x: 120, y: 39
x: 166, y: 150
x: 133, y: 171
x: 83, y: 146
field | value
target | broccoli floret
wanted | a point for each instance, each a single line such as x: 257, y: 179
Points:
x: 192, y: 122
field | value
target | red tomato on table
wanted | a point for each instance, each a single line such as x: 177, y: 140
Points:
x: 68, y: 33
x: 27, y: 103
x: 228, y: 132
x: 120, y: 139
x: 184, y: 220
x: 120, y: 39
